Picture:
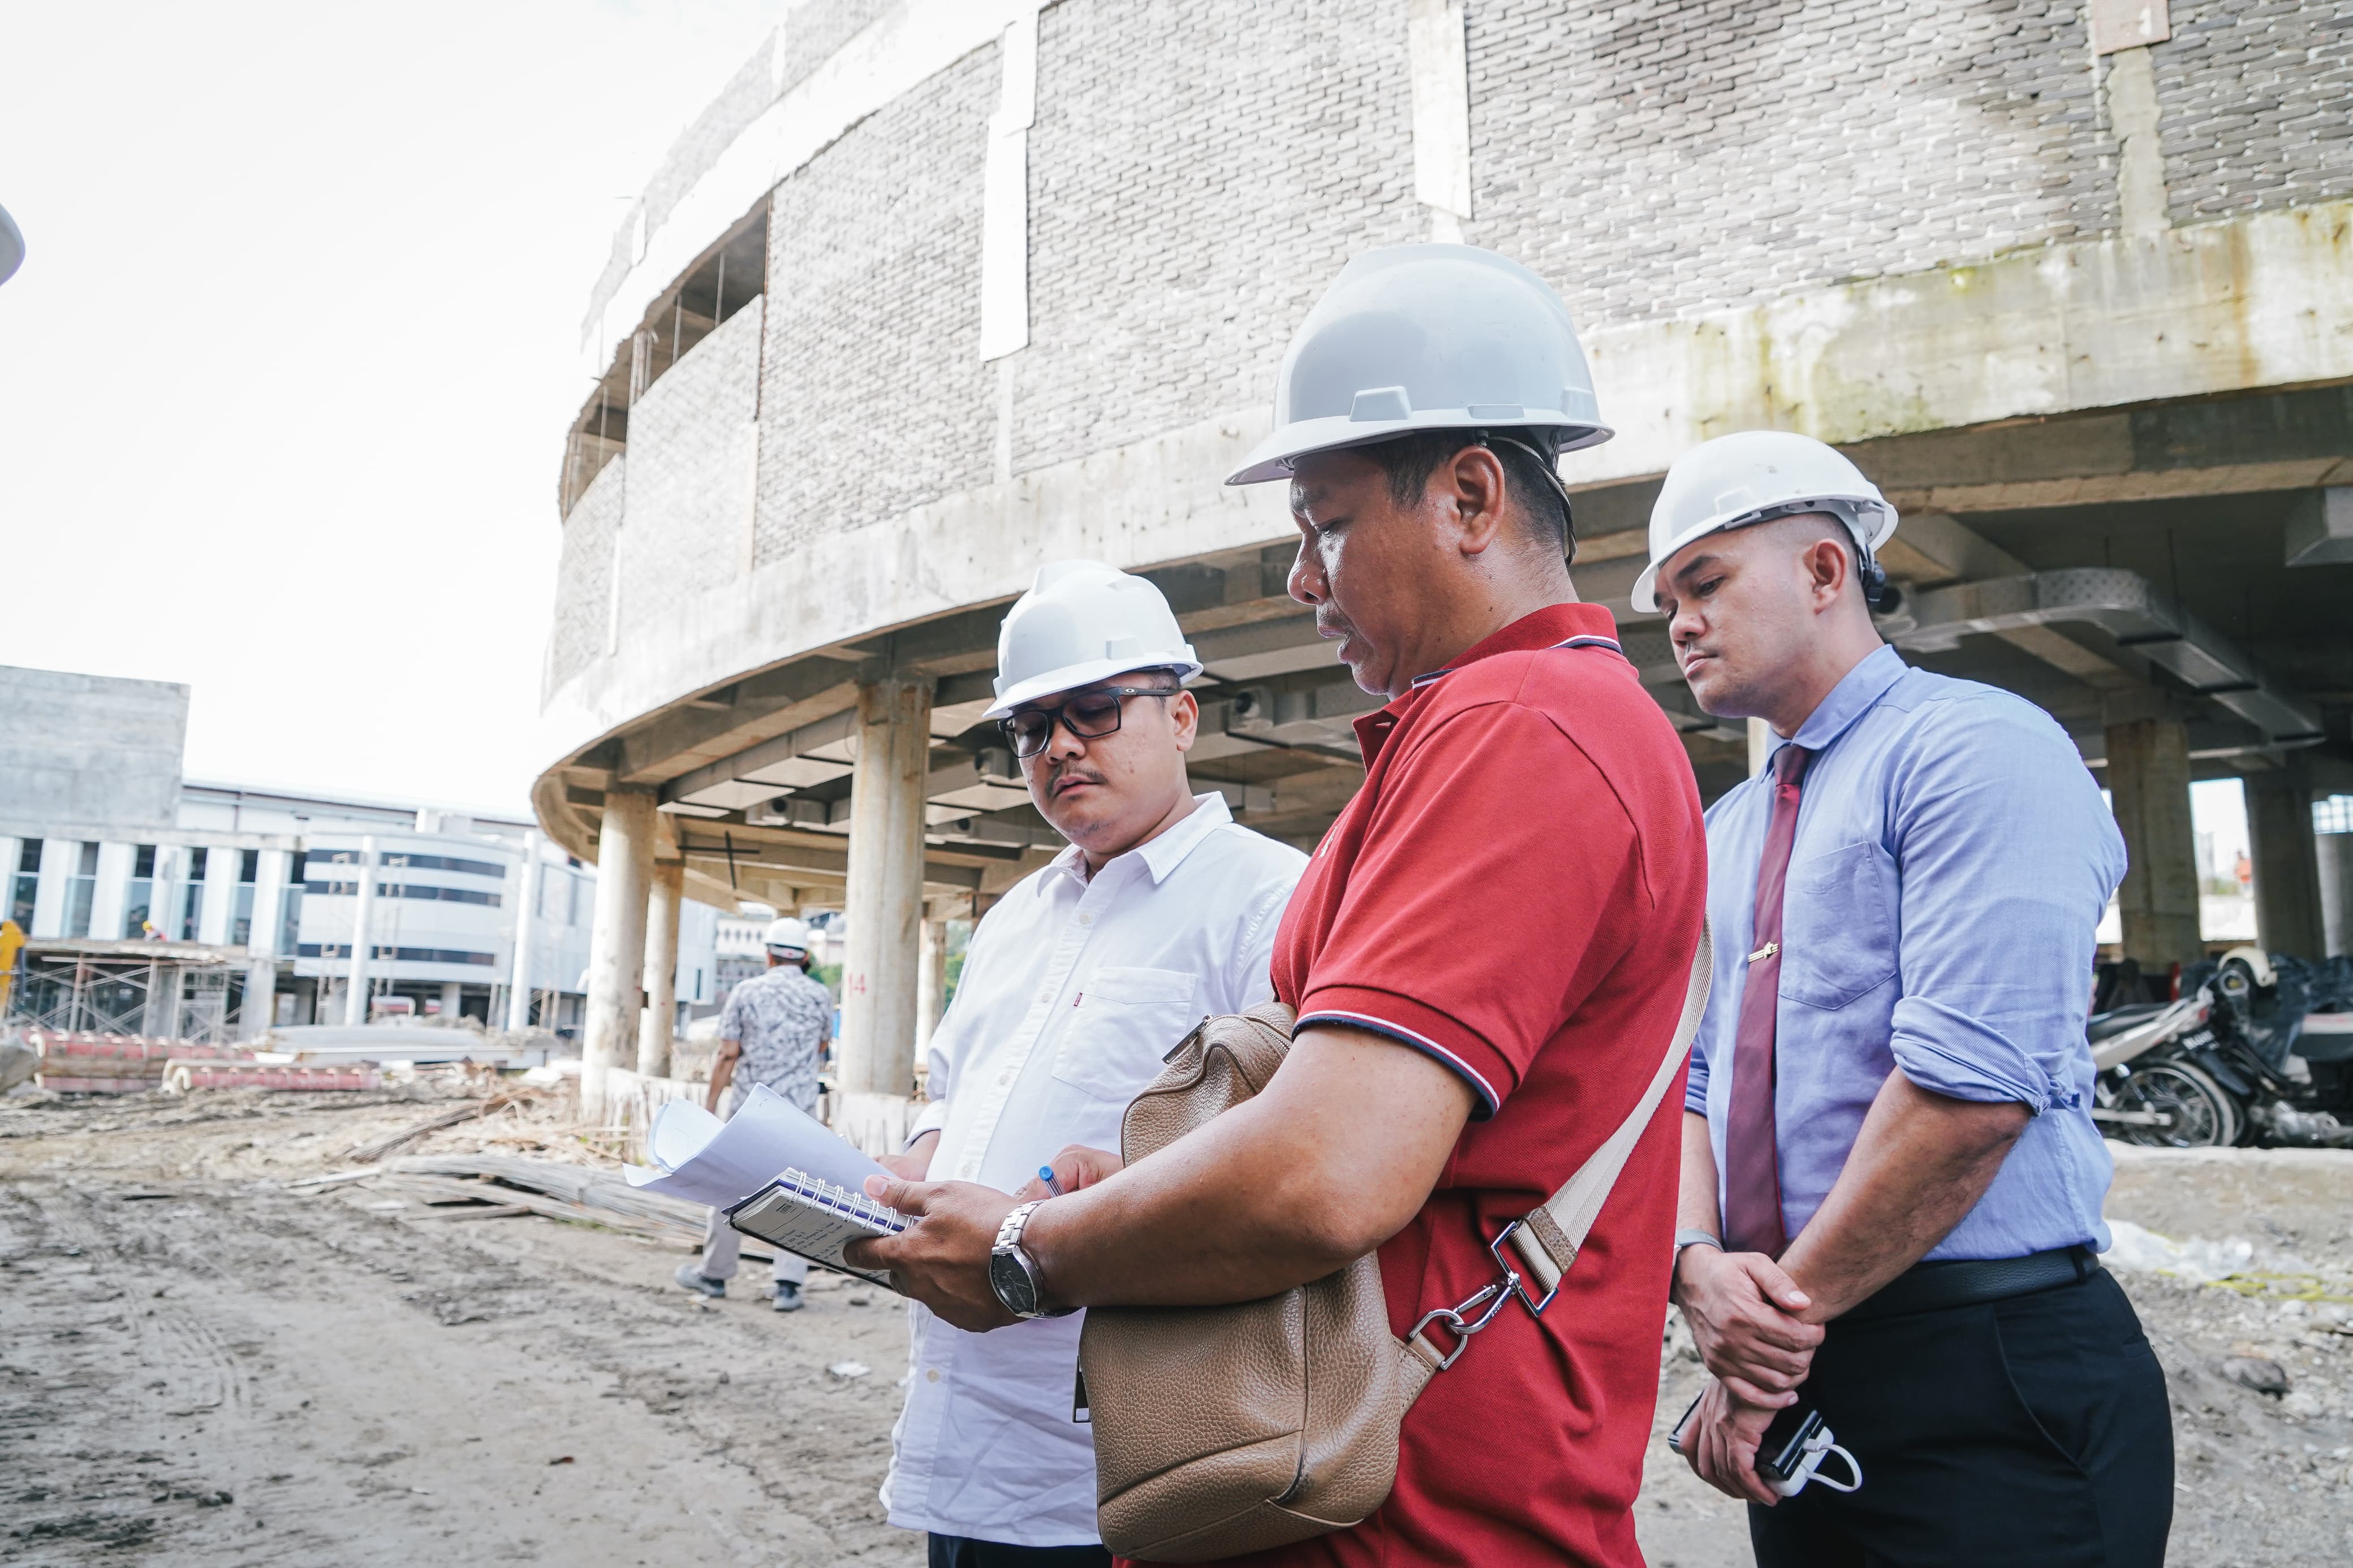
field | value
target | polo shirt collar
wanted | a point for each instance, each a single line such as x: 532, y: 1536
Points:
x: 1162, y: 855
x: 1555, y: 626
x: 1857, y: 693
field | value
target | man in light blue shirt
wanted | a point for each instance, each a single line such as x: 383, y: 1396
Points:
x: 1892, y: 1181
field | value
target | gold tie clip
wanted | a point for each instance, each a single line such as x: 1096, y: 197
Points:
x: 1767, y: 951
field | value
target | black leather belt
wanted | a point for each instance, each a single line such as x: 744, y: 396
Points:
x: 1970, y: 1282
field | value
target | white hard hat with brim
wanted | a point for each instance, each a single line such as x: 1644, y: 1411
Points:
x: 1082, y: 622
x: 1428, y: 337
x: 1752, y: 477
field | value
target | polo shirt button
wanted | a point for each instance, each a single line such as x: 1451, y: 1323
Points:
x: 931, y: 1375
x: 1086, y: 920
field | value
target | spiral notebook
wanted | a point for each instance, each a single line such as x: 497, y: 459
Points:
x: 815, y: 1220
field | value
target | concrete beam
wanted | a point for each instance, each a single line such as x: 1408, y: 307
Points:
x: 771, y: 704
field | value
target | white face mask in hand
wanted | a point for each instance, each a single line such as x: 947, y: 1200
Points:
x: 1791, y: 1452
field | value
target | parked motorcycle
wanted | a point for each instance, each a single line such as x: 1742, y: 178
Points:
x: 2258, y: 1048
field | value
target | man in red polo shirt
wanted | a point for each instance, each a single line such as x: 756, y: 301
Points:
x: 1488, y: 953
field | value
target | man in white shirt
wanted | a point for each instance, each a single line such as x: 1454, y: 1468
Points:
x: 1160, y: 912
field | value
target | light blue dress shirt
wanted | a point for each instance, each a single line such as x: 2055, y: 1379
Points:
x: 1952, y: 859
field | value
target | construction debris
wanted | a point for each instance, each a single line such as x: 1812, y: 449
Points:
x: 368, y: 1153
x: 82, y: 1062
x: 512, y: 1184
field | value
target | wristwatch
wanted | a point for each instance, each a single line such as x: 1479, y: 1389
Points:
x: 1013, y: 1273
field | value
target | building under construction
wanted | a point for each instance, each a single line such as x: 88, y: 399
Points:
x: 936, y: 290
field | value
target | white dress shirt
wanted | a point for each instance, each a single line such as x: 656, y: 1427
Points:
x: 1073, y: 990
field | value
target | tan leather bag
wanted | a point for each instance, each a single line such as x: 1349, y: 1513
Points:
x: 1223, y: 1430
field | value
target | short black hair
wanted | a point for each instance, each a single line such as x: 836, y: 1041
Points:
x: 1410, y: 460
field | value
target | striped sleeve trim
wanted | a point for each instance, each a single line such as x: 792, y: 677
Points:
x: 1489, y: 1101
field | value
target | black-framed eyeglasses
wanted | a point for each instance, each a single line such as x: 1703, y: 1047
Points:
x: 1091, y: 715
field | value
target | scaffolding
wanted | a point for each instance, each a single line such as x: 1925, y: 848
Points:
x: 181, y: 991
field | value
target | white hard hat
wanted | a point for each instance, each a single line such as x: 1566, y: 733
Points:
x: 1082, y: 621
x: 786, y: 933
x: 1752, y: 476
x: 1428, y: 337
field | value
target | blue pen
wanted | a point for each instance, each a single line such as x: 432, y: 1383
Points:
x: 1046, y: 1175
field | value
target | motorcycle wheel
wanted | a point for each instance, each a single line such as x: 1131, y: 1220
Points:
x: 2204, y: 1115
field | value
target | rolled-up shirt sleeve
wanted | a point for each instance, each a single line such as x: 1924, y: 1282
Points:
x: 2008, y: 856
x: 1695, y: 1080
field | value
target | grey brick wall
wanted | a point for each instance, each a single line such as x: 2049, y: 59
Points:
x: 688, y: 470
x: 584, y: 576
x: 1658, y: 157
x: 874, y: 398
x: 814, y: 30
x: 1199, y: 171
x: 2255, y: 104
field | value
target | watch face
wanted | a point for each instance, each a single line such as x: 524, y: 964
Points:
x: 1012, y: 1283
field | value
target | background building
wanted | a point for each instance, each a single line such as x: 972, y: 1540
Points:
x: 210, y: 910
x: 936, y: 290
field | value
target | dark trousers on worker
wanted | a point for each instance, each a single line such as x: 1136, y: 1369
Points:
x: 2033, y: 1432
x: 960, y: 1552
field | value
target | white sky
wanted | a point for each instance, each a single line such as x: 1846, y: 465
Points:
x: 285, y: 377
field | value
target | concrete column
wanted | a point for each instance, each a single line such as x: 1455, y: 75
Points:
x: 931, y: 983
x: 660, y: 1017
x: 2287, y: 860
x: 885, y: 904
x: 617, y: 941
x: 2336, y: 857
x: 453, y: 997
x: 526, y: 910
x: 356, y: 993
x: 2148, y: 781
x: 261, y: 998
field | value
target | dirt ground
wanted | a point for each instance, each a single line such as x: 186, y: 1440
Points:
x: 201, y: 1366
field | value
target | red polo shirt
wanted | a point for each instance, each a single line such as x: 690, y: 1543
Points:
x: 1516, y: 891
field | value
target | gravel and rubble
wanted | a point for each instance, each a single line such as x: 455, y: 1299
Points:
x: 203, y: 1364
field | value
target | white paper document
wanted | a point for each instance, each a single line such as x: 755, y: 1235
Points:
x: 706, y: 1160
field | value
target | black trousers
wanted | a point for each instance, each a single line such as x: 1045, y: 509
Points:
x: 2029, y: 1432
x: 2033, y: 1432
x: 961, y: 1551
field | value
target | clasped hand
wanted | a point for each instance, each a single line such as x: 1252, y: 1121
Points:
x: 1744, y: 1313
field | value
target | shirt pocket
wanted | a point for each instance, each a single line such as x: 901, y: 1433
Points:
x: 1122, y: 1023
x: 1838, y: 926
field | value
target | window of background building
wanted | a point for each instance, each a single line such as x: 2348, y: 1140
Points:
x: 248, y: 872
x: 289, y: 920
x: 2334, y: 815
x: 140, y: 903
x: 81, y: 891
x: 26, y: 885
x: 192, y: 899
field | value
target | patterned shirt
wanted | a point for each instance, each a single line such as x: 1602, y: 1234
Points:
x: 781, y: 1017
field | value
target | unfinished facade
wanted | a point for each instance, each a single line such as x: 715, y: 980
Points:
x: 937, y: 290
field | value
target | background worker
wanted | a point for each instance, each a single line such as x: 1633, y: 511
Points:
x: 1077, y: 982
x: 1488, y: 954
x: 1893, y: 1065
x: 772, y: 1032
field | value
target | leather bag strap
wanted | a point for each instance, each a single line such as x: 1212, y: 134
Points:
x: 1546, y: 1240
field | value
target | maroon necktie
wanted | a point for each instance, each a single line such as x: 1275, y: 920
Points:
x: 1752, y: 1175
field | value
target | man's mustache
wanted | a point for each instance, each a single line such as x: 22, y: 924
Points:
x: 1059, y: 772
